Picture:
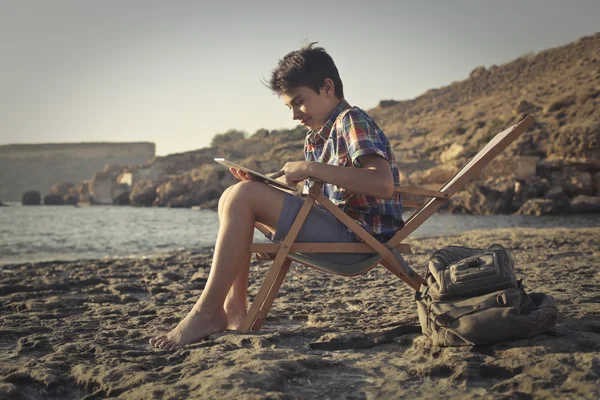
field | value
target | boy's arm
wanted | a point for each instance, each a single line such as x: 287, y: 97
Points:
x: 373, y: 179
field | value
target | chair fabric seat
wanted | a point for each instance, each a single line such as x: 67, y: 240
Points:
x: 338, y: 269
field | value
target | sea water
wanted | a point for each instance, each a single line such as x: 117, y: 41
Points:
x: 46, y: 233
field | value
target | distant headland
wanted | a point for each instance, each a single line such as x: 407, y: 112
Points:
x: 39, y: 166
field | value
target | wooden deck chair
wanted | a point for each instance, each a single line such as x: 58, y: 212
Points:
x: 288, y: 251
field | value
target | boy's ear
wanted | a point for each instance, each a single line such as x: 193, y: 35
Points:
x: 328, y: 87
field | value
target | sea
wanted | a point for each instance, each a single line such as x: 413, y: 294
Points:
x: 52, y: 233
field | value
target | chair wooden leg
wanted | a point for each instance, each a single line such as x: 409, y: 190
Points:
x: 261, y: 296
x: 277, y: 267
x: 416, y: 280
x: 264, y: 310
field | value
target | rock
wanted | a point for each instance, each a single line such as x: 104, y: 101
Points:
x: 526, y: 107
x: 112, y: 171
x: 143, y: 193
x: 53, y: 200
x: 576, y: 182
x: 577, y: 140
x: 585, y: 204
x: 387, y: 103
x: 173, y: 188
x: 438, y: 174
x: 209, y: 205
x: 558, y: 197
x: 102, y: 188
x: 478, y: 72
x: 61, y: 189
x: 454, y: 151
x: 122, y: 199
x: 490, y: 197
x: 9, y: 391
x: 70, y: 200
x: 3, y: 205
x: 597, y: 183
x: 560, y: 104
x: 529, y: 188
x: 31, y: 198
x: 198, y: 196
x: 539, y: 207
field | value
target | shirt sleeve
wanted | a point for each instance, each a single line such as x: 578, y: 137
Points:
x: 361, y: 137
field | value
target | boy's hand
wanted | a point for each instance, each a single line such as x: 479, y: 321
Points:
x: 295, y: 172
x: 241, y: 175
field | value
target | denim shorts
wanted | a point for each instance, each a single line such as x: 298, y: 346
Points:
x: 320, y: 227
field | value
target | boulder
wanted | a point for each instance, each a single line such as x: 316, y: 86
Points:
x: 576, y: 182
x: 585, y: 204
x: 560, y: 103
x: 525, y: 107
x: 484, y: 198
x: 122, y: 199
x: 558, y: 197
x: 61, y: 189
x: 539, y: 207
x: 529, y: 188
x: 438, y: 174
x: 80, y: 189
x: 31, y: 198
x: 70, y: 200
x: 143, y: 193
x: 198, y: 195
x: 453, y: 152
x: 53, y: 200
x: 174, y: 187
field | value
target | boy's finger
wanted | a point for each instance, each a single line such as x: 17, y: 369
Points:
x: 276, y: 174
x: 234, y: 172
x: 238, y: 174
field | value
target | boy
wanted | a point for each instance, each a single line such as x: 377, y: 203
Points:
x: 343, y: 147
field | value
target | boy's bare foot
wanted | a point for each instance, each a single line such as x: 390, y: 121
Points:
x: 193, y: 328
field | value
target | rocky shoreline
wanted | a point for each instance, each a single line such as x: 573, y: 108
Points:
x: 80, y: 329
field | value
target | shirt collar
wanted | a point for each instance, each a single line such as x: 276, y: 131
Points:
x: 326, y: 129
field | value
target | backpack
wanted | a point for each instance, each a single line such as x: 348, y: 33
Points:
x: 473, y: 298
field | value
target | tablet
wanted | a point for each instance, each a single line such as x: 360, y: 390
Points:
x: 257, y: 175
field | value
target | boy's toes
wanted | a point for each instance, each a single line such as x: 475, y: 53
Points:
x: 155, y: 339
x: 171, y: 346
x: 167, y: 344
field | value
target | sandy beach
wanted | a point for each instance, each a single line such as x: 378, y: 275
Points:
x: 74, y: 330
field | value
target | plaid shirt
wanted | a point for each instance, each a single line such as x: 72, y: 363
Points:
x: 348, y: 134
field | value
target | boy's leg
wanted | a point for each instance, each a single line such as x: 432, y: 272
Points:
x: 235, y: 303
x: 245, y: 204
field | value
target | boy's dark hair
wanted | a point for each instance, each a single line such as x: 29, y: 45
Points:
x: 309, y: 67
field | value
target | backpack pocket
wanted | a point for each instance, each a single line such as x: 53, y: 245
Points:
x: 484, y: 272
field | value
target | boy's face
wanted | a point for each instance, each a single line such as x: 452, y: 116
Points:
x: 312, y: 109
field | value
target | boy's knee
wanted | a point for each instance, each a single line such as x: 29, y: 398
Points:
x: 245, y: 189
x: 250, y: 194
x: 223, y: 198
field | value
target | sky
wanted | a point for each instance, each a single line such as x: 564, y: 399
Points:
x: 178, y: 72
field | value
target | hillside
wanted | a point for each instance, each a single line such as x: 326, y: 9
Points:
x: 436, y: 133
x: 559, y: 87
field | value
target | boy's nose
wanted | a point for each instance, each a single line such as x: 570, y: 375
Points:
x: 295, y: 114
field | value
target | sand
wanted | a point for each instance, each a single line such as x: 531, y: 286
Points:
x: 74, y: 330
